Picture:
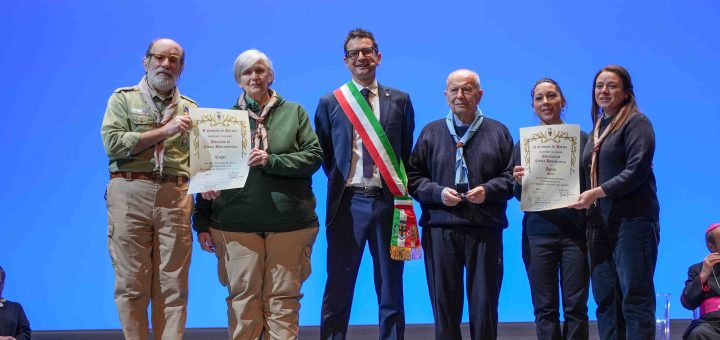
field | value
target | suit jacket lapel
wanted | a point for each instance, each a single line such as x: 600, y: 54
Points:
x: 348, y: 125
x: 384, y: 100
x: 348, y: 129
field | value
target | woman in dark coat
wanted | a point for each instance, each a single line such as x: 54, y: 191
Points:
x: 623, y: 210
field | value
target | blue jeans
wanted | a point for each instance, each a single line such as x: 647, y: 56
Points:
x: 622, y: 265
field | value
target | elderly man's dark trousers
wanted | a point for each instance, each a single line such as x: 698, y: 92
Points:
x: 454, y: 253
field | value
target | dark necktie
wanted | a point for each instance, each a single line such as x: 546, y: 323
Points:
x: 367, y: 160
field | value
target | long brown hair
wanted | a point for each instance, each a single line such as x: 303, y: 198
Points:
x: 628, y: 106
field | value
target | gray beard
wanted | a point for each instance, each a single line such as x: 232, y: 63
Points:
x: 161, y: 83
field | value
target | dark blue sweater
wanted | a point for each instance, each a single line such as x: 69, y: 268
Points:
x: 566, y: 221
x: 431, y: 168
x: 13, y: 321
x: 625, y: 172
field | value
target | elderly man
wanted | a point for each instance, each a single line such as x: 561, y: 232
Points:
x: 703, y: 290
x: 365, y: 130
x: 461, y: 173
x: 145, y: 136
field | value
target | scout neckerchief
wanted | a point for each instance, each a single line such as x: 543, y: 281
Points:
x: 405, y: 243
x: 461, y: 169
x: 161, y: 118
x: 597, y: 142
x: 260, y: 130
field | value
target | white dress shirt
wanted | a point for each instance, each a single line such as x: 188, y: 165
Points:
x: 355, y: 178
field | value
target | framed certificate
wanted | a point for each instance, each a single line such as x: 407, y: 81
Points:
x: 219, y: 148
x: 550, y: 155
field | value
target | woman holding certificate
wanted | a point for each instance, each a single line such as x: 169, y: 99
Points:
x: 623, y: 210
x: 263, y: 233
x: 554, y: 245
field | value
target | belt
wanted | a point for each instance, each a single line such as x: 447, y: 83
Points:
x: 150, y: 176
x: 709, y: 305
x: 366, y: 191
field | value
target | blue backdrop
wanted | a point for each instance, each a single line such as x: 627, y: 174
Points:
x: 60, y: 60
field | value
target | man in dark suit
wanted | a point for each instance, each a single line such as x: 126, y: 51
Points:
x: 359, y: 203
x: 702, y: 290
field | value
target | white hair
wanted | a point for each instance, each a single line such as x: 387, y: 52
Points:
x: 247, y: 59
x: 465, y: 72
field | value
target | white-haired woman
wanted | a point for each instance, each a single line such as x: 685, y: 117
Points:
x: 263, y: 234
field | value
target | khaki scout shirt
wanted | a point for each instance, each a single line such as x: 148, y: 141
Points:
x: 126, y: 117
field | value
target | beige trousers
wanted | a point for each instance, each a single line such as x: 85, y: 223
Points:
x: 150, y: 243
x: 263, y: 276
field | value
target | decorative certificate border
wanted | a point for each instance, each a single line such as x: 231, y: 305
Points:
x: 551, y: 136
x: 217, y: 119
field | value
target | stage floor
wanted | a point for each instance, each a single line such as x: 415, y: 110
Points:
x: 506, y: 330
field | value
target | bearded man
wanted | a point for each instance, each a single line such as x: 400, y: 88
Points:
x: 144, y: 133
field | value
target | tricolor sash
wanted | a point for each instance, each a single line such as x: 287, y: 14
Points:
x: 404, y: 243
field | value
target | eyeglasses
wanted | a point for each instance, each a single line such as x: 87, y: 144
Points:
x: 454, y: 91
x: 160, y: 58
x: 367, y: 51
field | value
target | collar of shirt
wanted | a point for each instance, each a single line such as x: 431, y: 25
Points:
x: 161, y: 102
x: 251, y: 104
x: 160, y: 97
x: 460, y: 123
x: 373, y: 87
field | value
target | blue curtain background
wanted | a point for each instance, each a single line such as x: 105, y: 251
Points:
x: 60, y: 60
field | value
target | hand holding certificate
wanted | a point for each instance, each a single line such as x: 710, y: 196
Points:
x: 219, y: 149
x: 550, y: 155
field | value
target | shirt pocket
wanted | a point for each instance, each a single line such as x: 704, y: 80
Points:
x: 141, y: 122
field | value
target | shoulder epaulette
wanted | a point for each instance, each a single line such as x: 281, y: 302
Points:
x: 126, y: 89
x: 188, y: 99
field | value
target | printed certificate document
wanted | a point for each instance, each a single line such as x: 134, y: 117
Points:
x: 219, y: 147
x: 550, y: 155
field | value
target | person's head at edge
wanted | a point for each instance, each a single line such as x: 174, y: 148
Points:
x: 463, y: 93
x: 2, y: 280
x: 548, y: 101
x: 164, y: 61
x: 254, y: 73
x: 712, y: 238
x: 362, y: 55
